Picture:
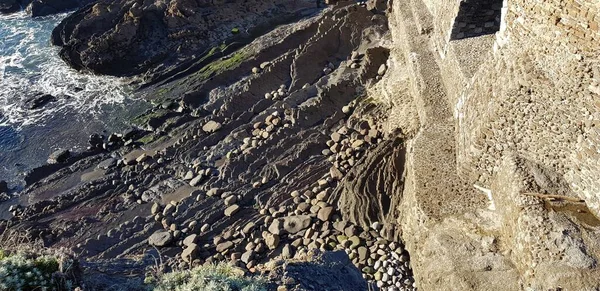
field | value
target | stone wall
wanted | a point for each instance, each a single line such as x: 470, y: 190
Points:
x: 503, y: 119
x: 538, y: 96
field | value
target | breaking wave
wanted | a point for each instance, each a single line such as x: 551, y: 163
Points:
x: 30, y: 65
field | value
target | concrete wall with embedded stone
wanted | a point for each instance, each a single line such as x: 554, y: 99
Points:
x: 537, y: 95
x: 489, y: 119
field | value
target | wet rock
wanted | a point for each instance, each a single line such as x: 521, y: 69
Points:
x: 160, y: 238
x: 3, y: 187
x: 39, y: 101
x: 59, y: 156
x: 49, y: 7
x: 9, y: 6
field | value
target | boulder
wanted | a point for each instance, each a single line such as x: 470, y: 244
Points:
x: 160, y: 238
x: 294, y: 224
x: 271, y: 240
x: 224, y: 246
x: 247, y: 256
x: 325, y: 213
x: 211, y: 126
x: 137, y: 36
x: 190, y: 240
x: 190, y: 253
x: 276, y: 226
x: 39, y: 101
x: 59, y: 156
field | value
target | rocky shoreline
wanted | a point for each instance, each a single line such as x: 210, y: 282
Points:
x: 253, y: 171
x: 392, y: 138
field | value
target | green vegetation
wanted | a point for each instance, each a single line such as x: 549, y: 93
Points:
x: 222, y: 65
x: 235, y: 30
x: 24, y: 271
x: 210, y: 277
x: 147, y: 139
x: 143, y: 119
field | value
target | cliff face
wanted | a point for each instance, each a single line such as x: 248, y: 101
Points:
x: 503, y: 141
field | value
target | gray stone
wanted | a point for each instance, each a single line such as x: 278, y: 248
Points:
x: 59, y: 156
x: 248, y: 227
x: 196, y: 181
x: 211, y: 126
x: 247, y: 256
x: 294, y: 224
x: 160, y: 238
x: 271, y: 240
x: 230, y: 200
x: 190, y: 239
x: 287, y: 252
x: 221, y: 247
x: 231, y: 210
x: 190, y: 253
x: 325, y: 213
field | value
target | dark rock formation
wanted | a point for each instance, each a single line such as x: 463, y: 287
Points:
x: 48, y: 7
x: 39, y: 101
x: 126, y: 37
x: 9, y: 6
x: 3, y: 187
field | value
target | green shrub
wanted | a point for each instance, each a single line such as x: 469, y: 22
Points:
x: 21, y: 271
x: 211, y: 277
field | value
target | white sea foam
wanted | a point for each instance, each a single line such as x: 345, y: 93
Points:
x: 29, y: 64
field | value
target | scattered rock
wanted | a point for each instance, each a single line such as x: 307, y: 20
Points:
x: 294, y: 224
x: 325, y: 213
x: 59, y: 156
x: 211, y: 126
x: 189, y: 253
x: 160, y: 238
x: 224, y: 246
x: 190, y: 239
x: 271, y: 240
x: 231, y: 210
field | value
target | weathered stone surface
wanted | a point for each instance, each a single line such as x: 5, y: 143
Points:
x: 211, y: 126
x: 59, y: 156
x: 294, y: 224
x: 271, y: 240
x: 325, y: 213
x: 189, y: 253
x: 221, y: 247
x: 231, y: 210
x: 190, y: 239
x: 160, y: 238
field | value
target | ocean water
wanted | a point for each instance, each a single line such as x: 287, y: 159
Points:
x: 85, y: 103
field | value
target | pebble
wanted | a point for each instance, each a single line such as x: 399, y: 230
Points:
x: 231, y: 210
